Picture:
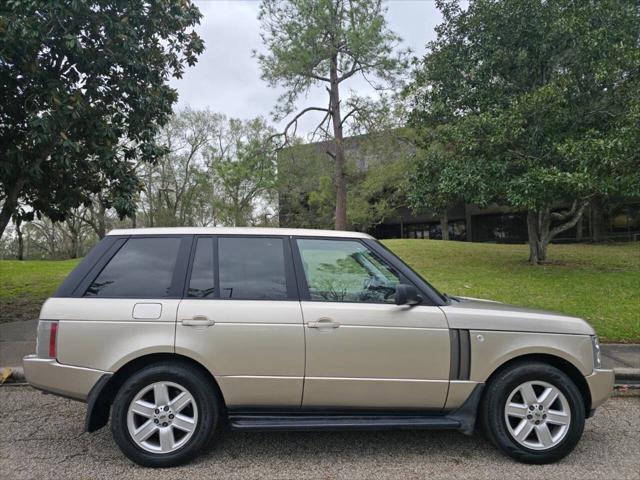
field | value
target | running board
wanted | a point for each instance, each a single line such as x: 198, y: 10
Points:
x: 314, y: 423
x: 462, y: 419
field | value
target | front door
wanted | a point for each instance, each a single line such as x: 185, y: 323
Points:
x: 242, y: 320
x: 362, y: 350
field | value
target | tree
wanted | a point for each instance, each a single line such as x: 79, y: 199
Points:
x: 326, y: 42
x: 177, y: 186
x: 537, y: 103
x: 243, y: 168
x: 76, y: 79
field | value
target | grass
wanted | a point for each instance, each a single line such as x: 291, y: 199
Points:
x: 600, y: 283
x: 25, y: 285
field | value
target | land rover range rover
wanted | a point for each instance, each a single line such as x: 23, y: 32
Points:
x: 169, y: 332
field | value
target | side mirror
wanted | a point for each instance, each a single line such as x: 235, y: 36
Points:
x: 407, y: 295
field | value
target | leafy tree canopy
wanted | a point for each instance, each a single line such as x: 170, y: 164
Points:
x: 83, y: 91
x: 534, y: 104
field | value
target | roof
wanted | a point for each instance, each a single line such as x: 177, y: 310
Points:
x: 301, y: 232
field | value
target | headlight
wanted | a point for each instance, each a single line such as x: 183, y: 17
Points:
x: 597, y: 360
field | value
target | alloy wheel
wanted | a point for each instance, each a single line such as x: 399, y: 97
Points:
x: 162, y: 417
x: 537, y: 415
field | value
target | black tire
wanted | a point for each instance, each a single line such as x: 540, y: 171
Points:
x: 204, y: 394
x: 492, y: 411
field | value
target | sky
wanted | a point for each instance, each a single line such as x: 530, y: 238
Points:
x: 226, y: 78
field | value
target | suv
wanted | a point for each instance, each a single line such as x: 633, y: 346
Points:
x: 172, y: 331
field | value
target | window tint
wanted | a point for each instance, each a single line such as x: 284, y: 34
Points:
x: 346, y: 271
x: 142, y: 268
x: 202, y: 283
x: 252, y: 268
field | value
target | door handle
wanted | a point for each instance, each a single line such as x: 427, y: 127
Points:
x: 197, y: 321
x: 323, y: 323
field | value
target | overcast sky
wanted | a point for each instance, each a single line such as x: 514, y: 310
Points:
x: 226, y: 78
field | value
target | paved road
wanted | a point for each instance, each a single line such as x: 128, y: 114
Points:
x: 41, y: 437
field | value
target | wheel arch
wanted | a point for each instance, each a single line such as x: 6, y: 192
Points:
x: 560, y: 363
x: 104, y: 391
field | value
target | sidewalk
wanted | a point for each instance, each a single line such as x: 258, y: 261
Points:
x: 18, y: 339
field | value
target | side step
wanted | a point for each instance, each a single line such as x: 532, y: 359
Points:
x: 314, y: 423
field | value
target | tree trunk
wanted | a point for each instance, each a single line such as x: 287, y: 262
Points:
x: 597, y: 220
x: 540, y: 232
x: 444, y: 224
x: 537, y: 235
x: 10, y: 205
x: 338, y: 139
x: 102, y: 228
x: 18, y: 223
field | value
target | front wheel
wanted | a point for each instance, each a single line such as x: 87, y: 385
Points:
x: 164, y: 415
x: 533, y: 412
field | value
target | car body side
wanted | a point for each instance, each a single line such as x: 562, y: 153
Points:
x: 466, y: 342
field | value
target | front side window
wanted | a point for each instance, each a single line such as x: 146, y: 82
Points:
x: 252, y: 268
x: 142, y: 268
x: 346, y: 271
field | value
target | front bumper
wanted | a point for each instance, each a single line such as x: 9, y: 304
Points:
x: 48, y: 375
x: 600, y: 386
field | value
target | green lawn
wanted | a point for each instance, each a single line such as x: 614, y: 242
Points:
x: 25, y: 285
x: 600, y: 283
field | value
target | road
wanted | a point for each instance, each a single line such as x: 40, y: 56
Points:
x: 41, y: 437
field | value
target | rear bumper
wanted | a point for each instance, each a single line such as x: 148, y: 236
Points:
x: 600, y: 386
x: 48, y: 375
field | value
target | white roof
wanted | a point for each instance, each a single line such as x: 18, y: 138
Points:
x: 301, y: 232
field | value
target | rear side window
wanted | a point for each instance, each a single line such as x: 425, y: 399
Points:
x: 252, y: 268
x: 202, y: 282
x: 142, y: 268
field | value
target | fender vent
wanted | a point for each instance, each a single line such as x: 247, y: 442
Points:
x: 460, y: 354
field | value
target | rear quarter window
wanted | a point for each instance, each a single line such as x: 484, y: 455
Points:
x: 142, y: 268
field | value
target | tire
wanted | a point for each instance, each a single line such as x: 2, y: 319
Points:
x: 165, y: 437
x: 560, y: 421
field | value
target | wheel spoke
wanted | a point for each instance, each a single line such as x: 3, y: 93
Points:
x: 142, y: 408
x: 544, y: 435
x: 161, y: 394
x: 516, y: 410
x: 523, y: 430
x: 180, y: 402
x: 145, y: 431
x: 528, y: 395
x: 184, y: 423
x: 549, y: 396
x: 166, y: 439
x: 557, y: 417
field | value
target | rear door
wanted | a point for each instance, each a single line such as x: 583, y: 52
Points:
x: 362, y: 350
x: 241, y: 318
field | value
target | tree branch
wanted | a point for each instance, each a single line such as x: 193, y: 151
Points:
x: 566, y: 226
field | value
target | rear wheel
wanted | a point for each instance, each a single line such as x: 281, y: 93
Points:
x: 533, y: 412
x: 164, y: 415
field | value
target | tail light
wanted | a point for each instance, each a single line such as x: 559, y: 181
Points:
x: 47, y: 338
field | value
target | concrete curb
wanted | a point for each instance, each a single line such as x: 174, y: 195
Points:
x: 627, y: 379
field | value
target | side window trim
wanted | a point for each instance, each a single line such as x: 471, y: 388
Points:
x: 302, y: 278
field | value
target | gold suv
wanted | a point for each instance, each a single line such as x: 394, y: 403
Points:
x: 170, y: 332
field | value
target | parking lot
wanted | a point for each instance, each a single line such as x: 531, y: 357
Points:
x: 42, y: 437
